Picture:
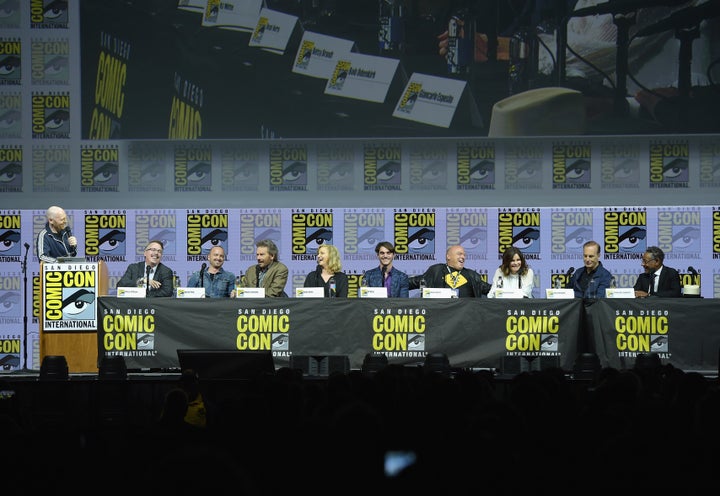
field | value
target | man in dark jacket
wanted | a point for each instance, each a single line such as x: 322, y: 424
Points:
x: 658, y: 279
x: 159, y: 276
x: 465, y: 282
x: 55, y: 239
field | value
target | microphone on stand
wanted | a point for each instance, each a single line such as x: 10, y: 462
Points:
x: 623, y: 7
x: 682, y: 19
x: 383, y: 270
x: 568, y: 275
x: 202, y: 275
x: 258, y: 269
x: 147, y: 280
x: 692, y: 271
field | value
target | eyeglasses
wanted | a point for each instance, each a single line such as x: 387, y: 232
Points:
x: 154, y: 250
x: 646, y: 261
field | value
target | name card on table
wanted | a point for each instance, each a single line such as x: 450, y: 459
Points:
x: 249, y: 292
x: 318, y: 292
x: 559, y: 293
x: 438, y: 293
x: 318, y: 53
x: 509, y: 293
x: 620, y: 293
x: 273, y: 31
x: 373, y: 292
x: 186, y: 292
x: 430, y: 100
x: 363, y: 77
x: 241, y: 15
x: 131, y: 292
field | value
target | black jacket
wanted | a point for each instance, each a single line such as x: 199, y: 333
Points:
x: 668, y: 285
x: 435, y: 278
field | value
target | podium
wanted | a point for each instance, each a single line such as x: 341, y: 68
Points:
x: 68, y: 320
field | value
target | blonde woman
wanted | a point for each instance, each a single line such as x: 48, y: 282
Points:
x: 329, y: 270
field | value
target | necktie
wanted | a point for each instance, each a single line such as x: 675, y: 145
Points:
x: 652, y: 284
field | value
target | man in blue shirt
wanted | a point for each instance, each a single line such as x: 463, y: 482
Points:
x: 385, y: 274
x: 218, y: 282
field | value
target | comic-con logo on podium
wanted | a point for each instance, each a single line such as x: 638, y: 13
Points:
x: 205, y: 230
x: 310, y: 230
x: 400, y: 333
x: 70, y: 296
x: 105, y: 235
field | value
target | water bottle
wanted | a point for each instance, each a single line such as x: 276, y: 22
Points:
x: 176, y: 282
x: 500, y: 283
x: 461, y: 43
x: 333, y: 287
x: 558, y: 284
x: 523, y: 61
x: 391, y: 34
x: 422, y: 286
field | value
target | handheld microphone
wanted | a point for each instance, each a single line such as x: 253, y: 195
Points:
x: 682, y: 19
x: 568, y: 275
x: 202, y: 274
x: 623, y: 7
x: 693, y: 271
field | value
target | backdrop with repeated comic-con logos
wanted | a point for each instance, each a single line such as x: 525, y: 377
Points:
x: 551, y: 239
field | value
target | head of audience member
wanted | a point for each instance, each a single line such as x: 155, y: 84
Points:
x: 153, y: 253
x: 266, y: 253
x: 57, y: 219
x: 513, y: 262
x: 216, y: 257
x: 386, y: 254
x: 455, y: 257
x: 591, y: 255
x: 652, y: 260
x: 328, y: 257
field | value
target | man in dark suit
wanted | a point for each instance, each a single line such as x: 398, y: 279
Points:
x: 159, y: 276
x: 658, y: 279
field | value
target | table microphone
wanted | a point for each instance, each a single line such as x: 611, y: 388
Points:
x: 258, y: 269
x: 202, y: 274
x: 147, y: 279
x: 569, y: 274
x: 692, y: 271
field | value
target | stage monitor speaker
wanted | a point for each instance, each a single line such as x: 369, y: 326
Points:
x: 320, y: 365
x: 226, y: 364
